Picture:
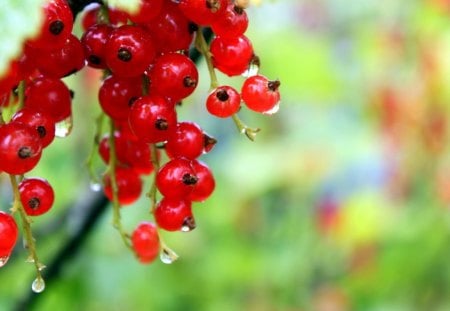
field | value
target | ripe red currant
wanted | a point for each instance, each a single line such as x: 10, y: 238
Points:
x: 20, y: 148
x: 205, y: 184
x: 129, y: 186
x: 41, y: 121
x: 187, y: 141
x: 174, y: 214
x: 176, y: 179
x: 36, y: 195
x: 8, y: 234
x: 145, y: 242
x: 223, y: 102
x: 233, y: 23
x: 260, y: 94
x: 231, y: 56
x: 94, y: 44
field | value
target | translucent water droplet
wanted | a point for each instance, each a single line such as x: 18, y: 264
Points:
x: 30, y: 259
x: 3, y: 260
x: 38, y: 285
x: 273, y: 110
x: 253, y: 67
x: 95, y: 186
x: 64, y: 128
x: 168, y: 256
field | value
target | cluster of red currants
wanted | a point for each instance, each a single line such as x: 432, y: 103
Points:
x: 147, y: 73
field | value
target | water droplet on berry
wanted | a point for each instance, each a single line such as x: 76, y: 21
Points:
x: 95, y: 186
x: 253, y: 67
x: 273, y: 110
x: 38, y: 285
x: 188, y: 224
x: 3, y: 260
x: 64, y: 127
x: 167, y: 255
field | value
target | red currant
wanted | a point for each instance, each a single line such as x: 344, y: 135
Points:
x: 145, y: 242
x: 176, y: 179
x: 203, y: 12
x: 129, y: 186
x: 36, y: 195
x: 94, y: 44
x: 8, y: 234
x: 187, y: 141
x: 223, y: 102
x: 231, y: 56
x: 260, y: 94
x: 205, y: 184
x: 41, y: 121
x: 174, y: 214
x: 233, y: 23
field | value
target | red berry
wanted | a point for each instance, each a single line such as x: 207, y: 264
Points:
x: 233, y: 23
x: 173, y: 75
x: 176, y: 179
x: 203, y: 12
x: 171, y: 30
x: 148, y: 10
x: 205, y: 184
x: 36, y: 195
x: 152, y: 119
x: 174, y: 214
x: 51, y: 96
x: 231, y: 56
x: 8, y: 234
x: 94, y: 42
x: 145, y: 242
x: 187, y: 141
x: 20, y: 148
x: 57, y: 26
x: 260, y: 94
x: 129, y: 186
x: 223, y: 102
x: 117, y: 95
x: 129, y: 51
x: 41, y: 121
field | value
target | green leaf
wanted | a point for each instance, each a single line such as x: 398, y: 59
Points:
x: 19, y: 20
x: 130, y: 6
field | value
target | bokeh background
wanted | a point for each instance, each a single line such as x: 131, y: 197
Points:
x: 341, y: 203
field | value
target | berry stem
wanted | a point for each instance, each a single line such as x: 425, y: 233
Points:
x: 21, y: 92
x: 203, y: 47
x: 112, y: 173
x: 26, y: 225
x: 90, y: 160
x: 243, y: 128
x: 155, y: 161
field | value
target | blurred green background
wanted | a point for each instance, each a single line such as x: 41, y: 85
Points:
x: 341, y: 203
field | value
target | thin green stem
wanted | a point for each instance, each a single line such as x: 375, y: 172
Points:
x: 94, y: 150
x: 21, y: 92
x: 243, y: 128
x: 203, y: 47
x: 155, y: 161
x: 26, y: 225
x: 112, y: 174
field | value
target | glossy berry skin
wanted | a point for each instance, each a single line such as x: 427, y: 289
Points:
x: 145, y: 242
x: 130, y: 152
x: 205, y: 184
x: 57, y: 25
x: 10, y: 78
x: 60, y: 62
x: 117, y: 95
x: 42, y: 122
x: 36, y: 195
x: 174, y: 214
x: 261, y: 95
x: 176, y: 179
x: 233, y: 23
x: 223, y: 102
x: 129, y: 51
x: 173, y: 75
x: 94, y: 41
x: 203, y: 12
x: 129, y: 186
x: 171, y: 30
x: 187, y: 141
x: 152, y: 119
x: 148, y: 10
x: 231, y: 56
x: 51, y: 96
x: 20, y: 148
x: 8, y: 234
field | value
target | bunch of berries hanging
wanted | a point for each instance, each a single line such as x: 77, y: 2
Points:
x: 147, y: 71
